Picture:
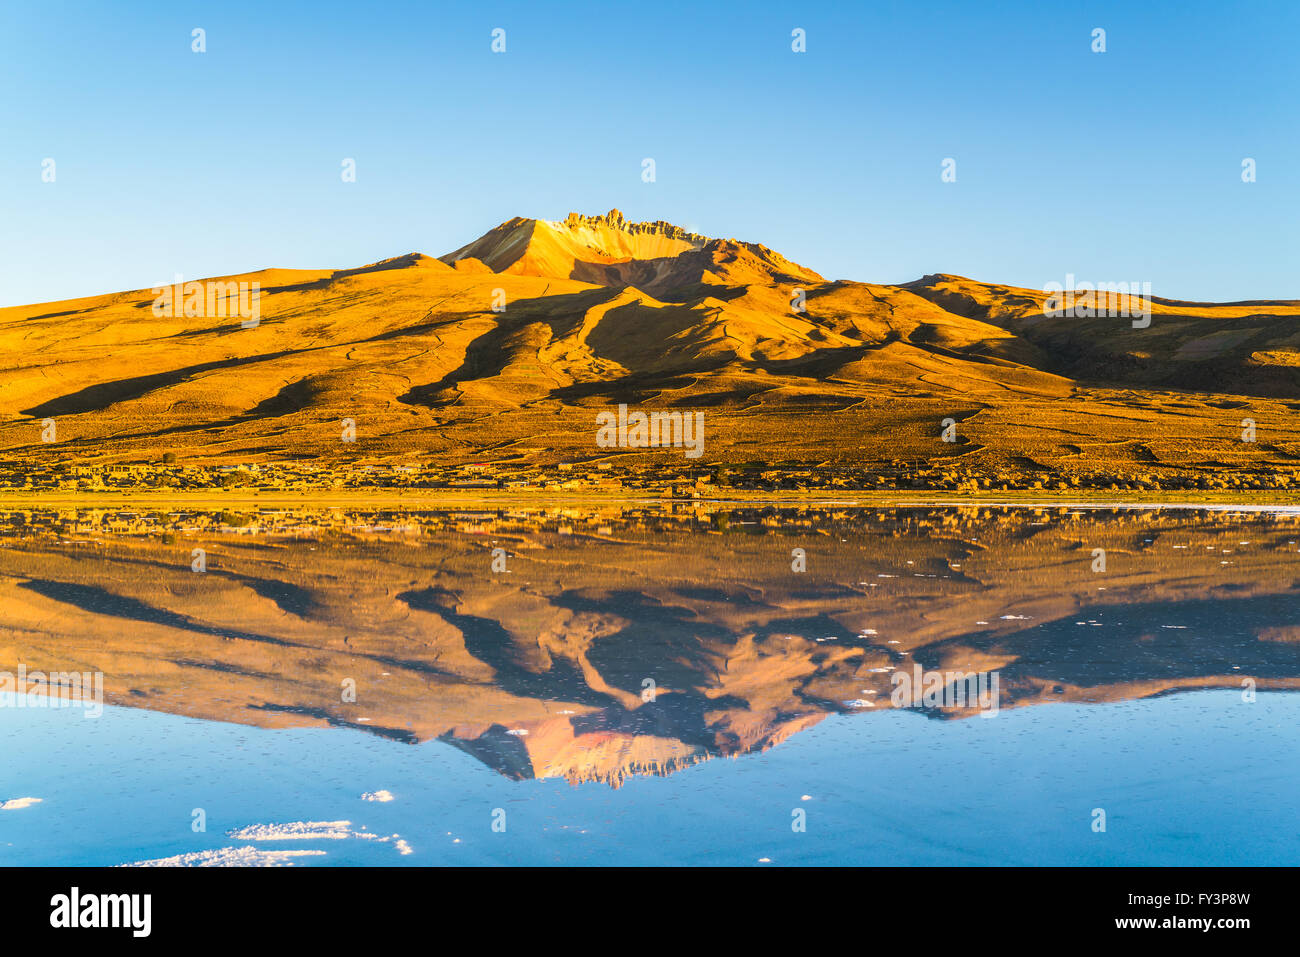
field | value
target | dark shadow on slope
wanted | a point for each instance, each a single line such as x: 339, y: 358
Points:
x: 95, y: 397
x: 99, y: 601
x: 491, y: 644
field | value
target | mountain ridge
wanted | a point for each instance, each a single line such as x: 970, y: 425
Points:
x: 507, y: 348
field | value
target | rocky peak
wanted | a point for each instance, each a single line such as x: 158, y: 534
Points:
x: 614, y: 220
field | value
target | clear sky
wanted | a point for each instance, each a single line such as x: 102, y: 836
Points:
x: 1123, y: 165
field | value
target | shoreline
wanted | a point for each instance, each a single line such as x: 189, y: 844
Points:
x: 440, y: 498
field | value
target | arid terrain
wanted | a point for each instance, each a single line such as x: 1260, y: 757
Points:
x: 502, y: 354
x: 539, y: 667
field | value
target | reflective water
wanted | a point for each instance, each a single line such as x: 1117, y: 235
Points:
x: 656, y: 685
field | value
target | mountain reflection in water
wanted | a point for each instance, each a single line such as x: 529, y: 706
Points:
x: 633, y: 641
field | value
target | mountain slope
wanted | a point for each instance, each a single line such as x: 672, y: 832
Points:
x: 1233, y: 346
x: 507, y: 348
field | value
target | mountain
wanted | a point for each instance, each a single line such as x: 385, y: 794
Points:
x: 658, y: 258
x: 506, y: 350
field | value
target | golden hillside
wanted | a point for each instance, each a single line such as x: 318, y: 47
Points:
x: 506, y: 349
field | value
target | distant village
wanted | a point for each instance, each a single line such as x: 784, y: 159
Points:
x: 604, y: 478
x: 665, y: 481
x: 296, y: 477
x: 78, y: 524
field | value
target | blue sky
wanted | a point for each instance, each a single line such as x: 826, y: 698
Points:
x: 1123, y: 165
